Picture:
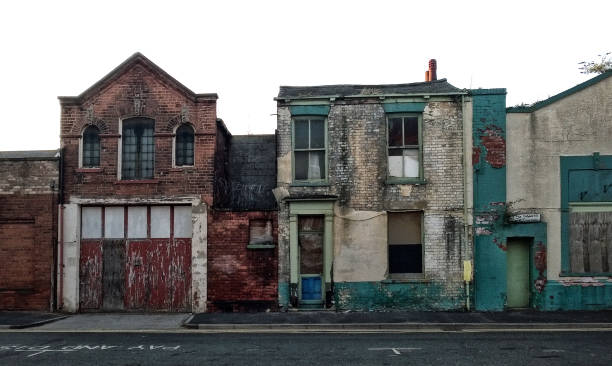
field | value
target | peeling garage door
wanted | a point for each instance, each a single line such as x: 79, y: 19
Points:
x: 136, y: 258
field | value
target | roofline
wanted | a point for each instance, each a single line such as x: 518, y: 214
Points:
x: 224, y: 128
x: 124, y: 66
x: 31, y: 158
x: 390, y: 95
x: 543, y: 103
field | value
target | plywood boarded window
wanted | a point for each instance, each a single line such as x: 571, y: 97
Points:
x: 405, y: 243
x: 260, y: 232
x: 591, y: 242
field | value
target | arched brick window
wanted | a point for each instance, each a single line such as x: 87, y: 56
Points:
x: 91, y: 147
x: 183, y: 153
x: 138, y: 149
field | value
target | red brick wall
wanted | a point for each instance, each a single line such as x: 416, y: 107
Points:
x: 139, y: 91
x: 28, y: 226
x: 240, y: 279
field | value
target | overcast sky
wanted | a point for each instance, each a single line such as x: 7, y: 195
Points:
x: 243, y: 50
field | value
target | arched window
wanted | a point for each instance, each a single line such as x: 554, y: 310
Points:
x: 138, y: 149
x: 91, y: 147
x: 183, y: 153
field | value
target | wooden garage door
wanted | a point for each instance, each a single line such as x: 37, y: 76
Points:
x: 136, y: 258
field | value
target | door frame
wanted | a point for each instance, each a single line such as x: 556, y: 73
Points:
x: 311, y: 207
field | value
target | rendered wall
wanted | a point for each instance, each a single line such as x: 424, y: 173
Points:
x: 578, y: 124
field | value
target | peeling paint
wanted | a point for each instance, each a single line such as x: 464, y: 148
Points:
x: 483, y: 231
x: 476, y: 151
x: 495, y: 146
x: 583, y: 282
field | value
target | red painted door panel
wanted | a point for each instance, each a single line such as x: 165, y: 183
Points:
x: 90, y: 274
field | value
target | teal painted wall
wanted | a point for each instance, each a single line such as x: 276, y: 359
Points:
x: 417, y: 296
x: 491, y: 229
x: 489, y: 161
x: 283, y: 295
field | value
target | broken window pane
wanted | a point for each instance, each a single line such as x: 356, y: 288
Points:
x: 301, y: 134
x: 411, y: 131
x: 395, y: 162
x: 301, y: 165
x: 411, y: 162
x: 260, y: 232
x: 317, y: 134
x: 395, y: 132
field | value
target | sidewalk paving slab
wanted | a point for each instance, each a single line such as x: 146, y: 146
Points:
x: 118, y: 322
x: 27, y: 319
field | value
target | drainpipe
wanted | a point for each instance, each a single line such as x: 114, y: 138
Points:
x: 61, y: 231
x: 466, y: 163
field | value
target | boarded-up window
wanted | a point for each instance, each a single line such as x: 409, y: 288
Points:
x: 591, y: 242
x: 91, y: 222
x: 260, y: 232
x: 113, y: 222
x: 405, y: 243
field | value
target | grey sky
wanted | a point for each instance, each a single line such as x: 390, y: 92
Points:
x: 244, y: 50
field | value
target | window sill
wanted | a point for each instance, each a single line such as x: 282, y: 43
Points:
x: 408, y: 278
x: 182, y: 168
x: 142, y: 181
x: 415, y: 181
x: 89, y: 170
x: 586, y: 274
x: 261, y: 246
x: 310, y: 184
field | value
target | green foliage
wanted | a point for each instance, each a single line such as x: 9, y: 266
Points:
x: 603, y: 64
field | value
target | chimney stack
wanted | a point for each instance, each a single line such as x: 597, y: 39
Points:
x: 431, y: 74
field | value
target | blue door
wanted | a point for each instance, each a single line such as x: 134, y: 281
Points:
x: 311, y: 288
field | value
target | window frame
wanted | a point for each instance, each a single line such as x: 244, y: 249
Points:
x: 175, y: 146
x: 407, y: 275
x: 263, y: 245
x: 309, y: 182
x: 405, y: 180
x: 120, y: 147
x: 82, y: 148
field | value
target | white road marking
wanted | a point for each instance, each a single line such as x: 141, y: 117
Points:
x: 395, y: 350
x: 553, y: 350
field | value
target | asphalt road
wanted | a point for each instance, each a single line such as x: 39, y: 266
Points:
x: 461, y: 348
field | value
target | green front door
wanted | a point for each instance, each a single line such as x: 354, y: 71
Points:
x: 518, y: 272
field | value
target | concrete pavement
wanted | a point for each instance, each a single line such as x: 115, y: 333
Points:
x: 318, y: 321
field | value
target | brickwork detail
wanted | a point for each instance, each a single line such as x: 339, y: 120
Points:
x: 239, y: 278
x: 28, y: 233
